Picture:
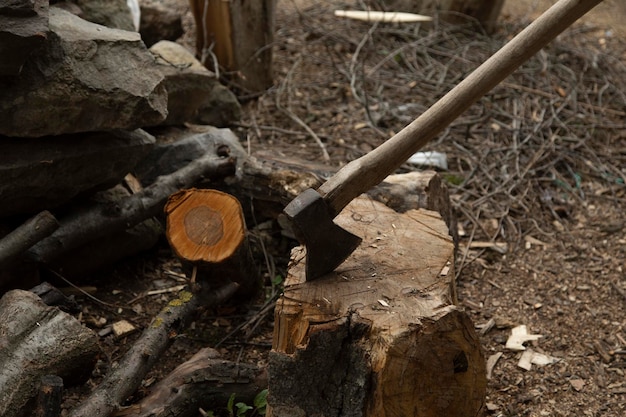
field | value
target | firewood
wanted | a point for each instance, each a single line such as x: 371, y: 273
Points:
x: 37, y: 340
x: 123, y: 380
x: 382, y: 335
x: 78, y: 228
x: 32, y: 231
x: 204, y: 381
x: 207, y: 231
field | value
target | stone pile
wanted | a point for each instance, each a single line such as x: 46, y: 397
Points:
x: 78, y: 99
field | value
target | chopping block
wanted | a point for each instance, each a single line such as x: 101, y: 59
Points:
x: 382, y: 335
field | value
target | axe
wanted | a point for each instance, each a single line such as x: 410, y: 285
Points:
x: 312, y: 212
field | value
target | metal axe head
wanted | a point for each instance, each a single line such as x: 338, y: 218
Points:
x: 327, y: 245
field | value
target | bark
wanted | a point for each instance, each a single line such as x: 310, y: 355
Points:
x: 50, y: 396
x: 239, y: 34
x: 95, y: 255
x: 85, y: 226
x: 13, y: 245
x: 37, y: 340
x: 204, y: 381
x: 382, y: 335
x: 207, y: 231
x: 122, y: 381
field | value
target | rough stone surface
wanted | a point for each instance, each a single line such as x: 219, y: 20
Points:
x: 110, y: 13
x: 159, y: 23
x: 84, y: 78
x: 194, y: 94
x: 42, y: 173
x: 23, y: 28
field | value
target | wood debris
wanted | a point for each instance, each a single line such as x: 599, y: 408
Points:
x: 519, y: 336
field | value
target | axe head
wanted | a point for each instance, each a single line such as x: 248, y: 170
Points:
x: 327, y: 245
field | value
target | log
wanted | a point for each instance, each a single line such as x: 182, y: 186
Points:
x: 206, y: 229
x: 84, y: 226
x: 123, y: 380
x: 382, y: 335
x: 25, y: 236
x: 239, y: 34
x: 37, y: 340
x: 205, y: 381
x: 96, y: 255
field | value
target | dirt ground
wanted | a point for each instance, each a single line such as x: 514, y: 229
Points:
x: 536, y: 171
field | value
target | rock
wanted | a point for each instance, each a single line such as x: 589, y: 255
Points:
x: 159, y: 23
x: 110, y: 13
x: 85, y: 78
x: 23, y: 28
x: 194, y: 94
x: 42, y: 173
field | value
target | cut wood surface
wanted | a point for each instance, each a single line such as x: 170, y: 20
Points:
x: 381, y: 336
x: 204, y: 225
x: 207, y: 231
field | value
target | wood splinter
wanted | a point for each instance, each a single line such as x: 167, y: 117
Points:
x: 206, y: 229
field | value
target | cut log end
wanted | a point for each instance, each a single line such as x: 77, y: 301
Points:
x: 207, y: 231
x: 204, y: 225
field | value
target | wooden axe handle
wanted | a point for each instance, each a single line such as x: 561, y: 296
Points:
x: 362, y: 174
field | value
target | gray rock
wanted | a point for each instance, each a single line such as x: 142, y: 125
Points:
x: 42, y: 173
x: 159, y: 23
x: 194, y: 94
x: 110, y: 13
x: 86, y: 77
x: 23, y: 28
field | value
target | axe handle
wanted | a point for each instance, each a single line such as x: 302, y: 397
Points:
x: 369, y: 170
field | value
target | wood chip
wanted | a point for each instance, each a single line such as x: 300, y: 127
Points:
x: 495, y: 246
x: 530, y: 358
x: 577, y: 384
x: 519, y: 335
x: 491, y: 363
x: 122, y: 328
x: 487, y: 326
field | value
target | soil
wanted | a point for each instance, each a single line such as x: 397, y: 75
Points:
x: 536, y: 172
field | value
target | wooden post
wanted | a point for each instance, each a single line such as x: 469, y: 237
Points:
x: 207, y: 231
x: 381, y: 336
x: 239, y: 34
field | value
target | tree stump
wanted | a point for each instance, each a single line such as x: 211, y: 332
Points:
x: 207, y: 231
x: 380, y: 336
x: 239, y: 34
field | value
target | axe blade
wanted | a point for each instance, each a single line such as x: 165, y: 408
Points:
x: 327, y: 245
